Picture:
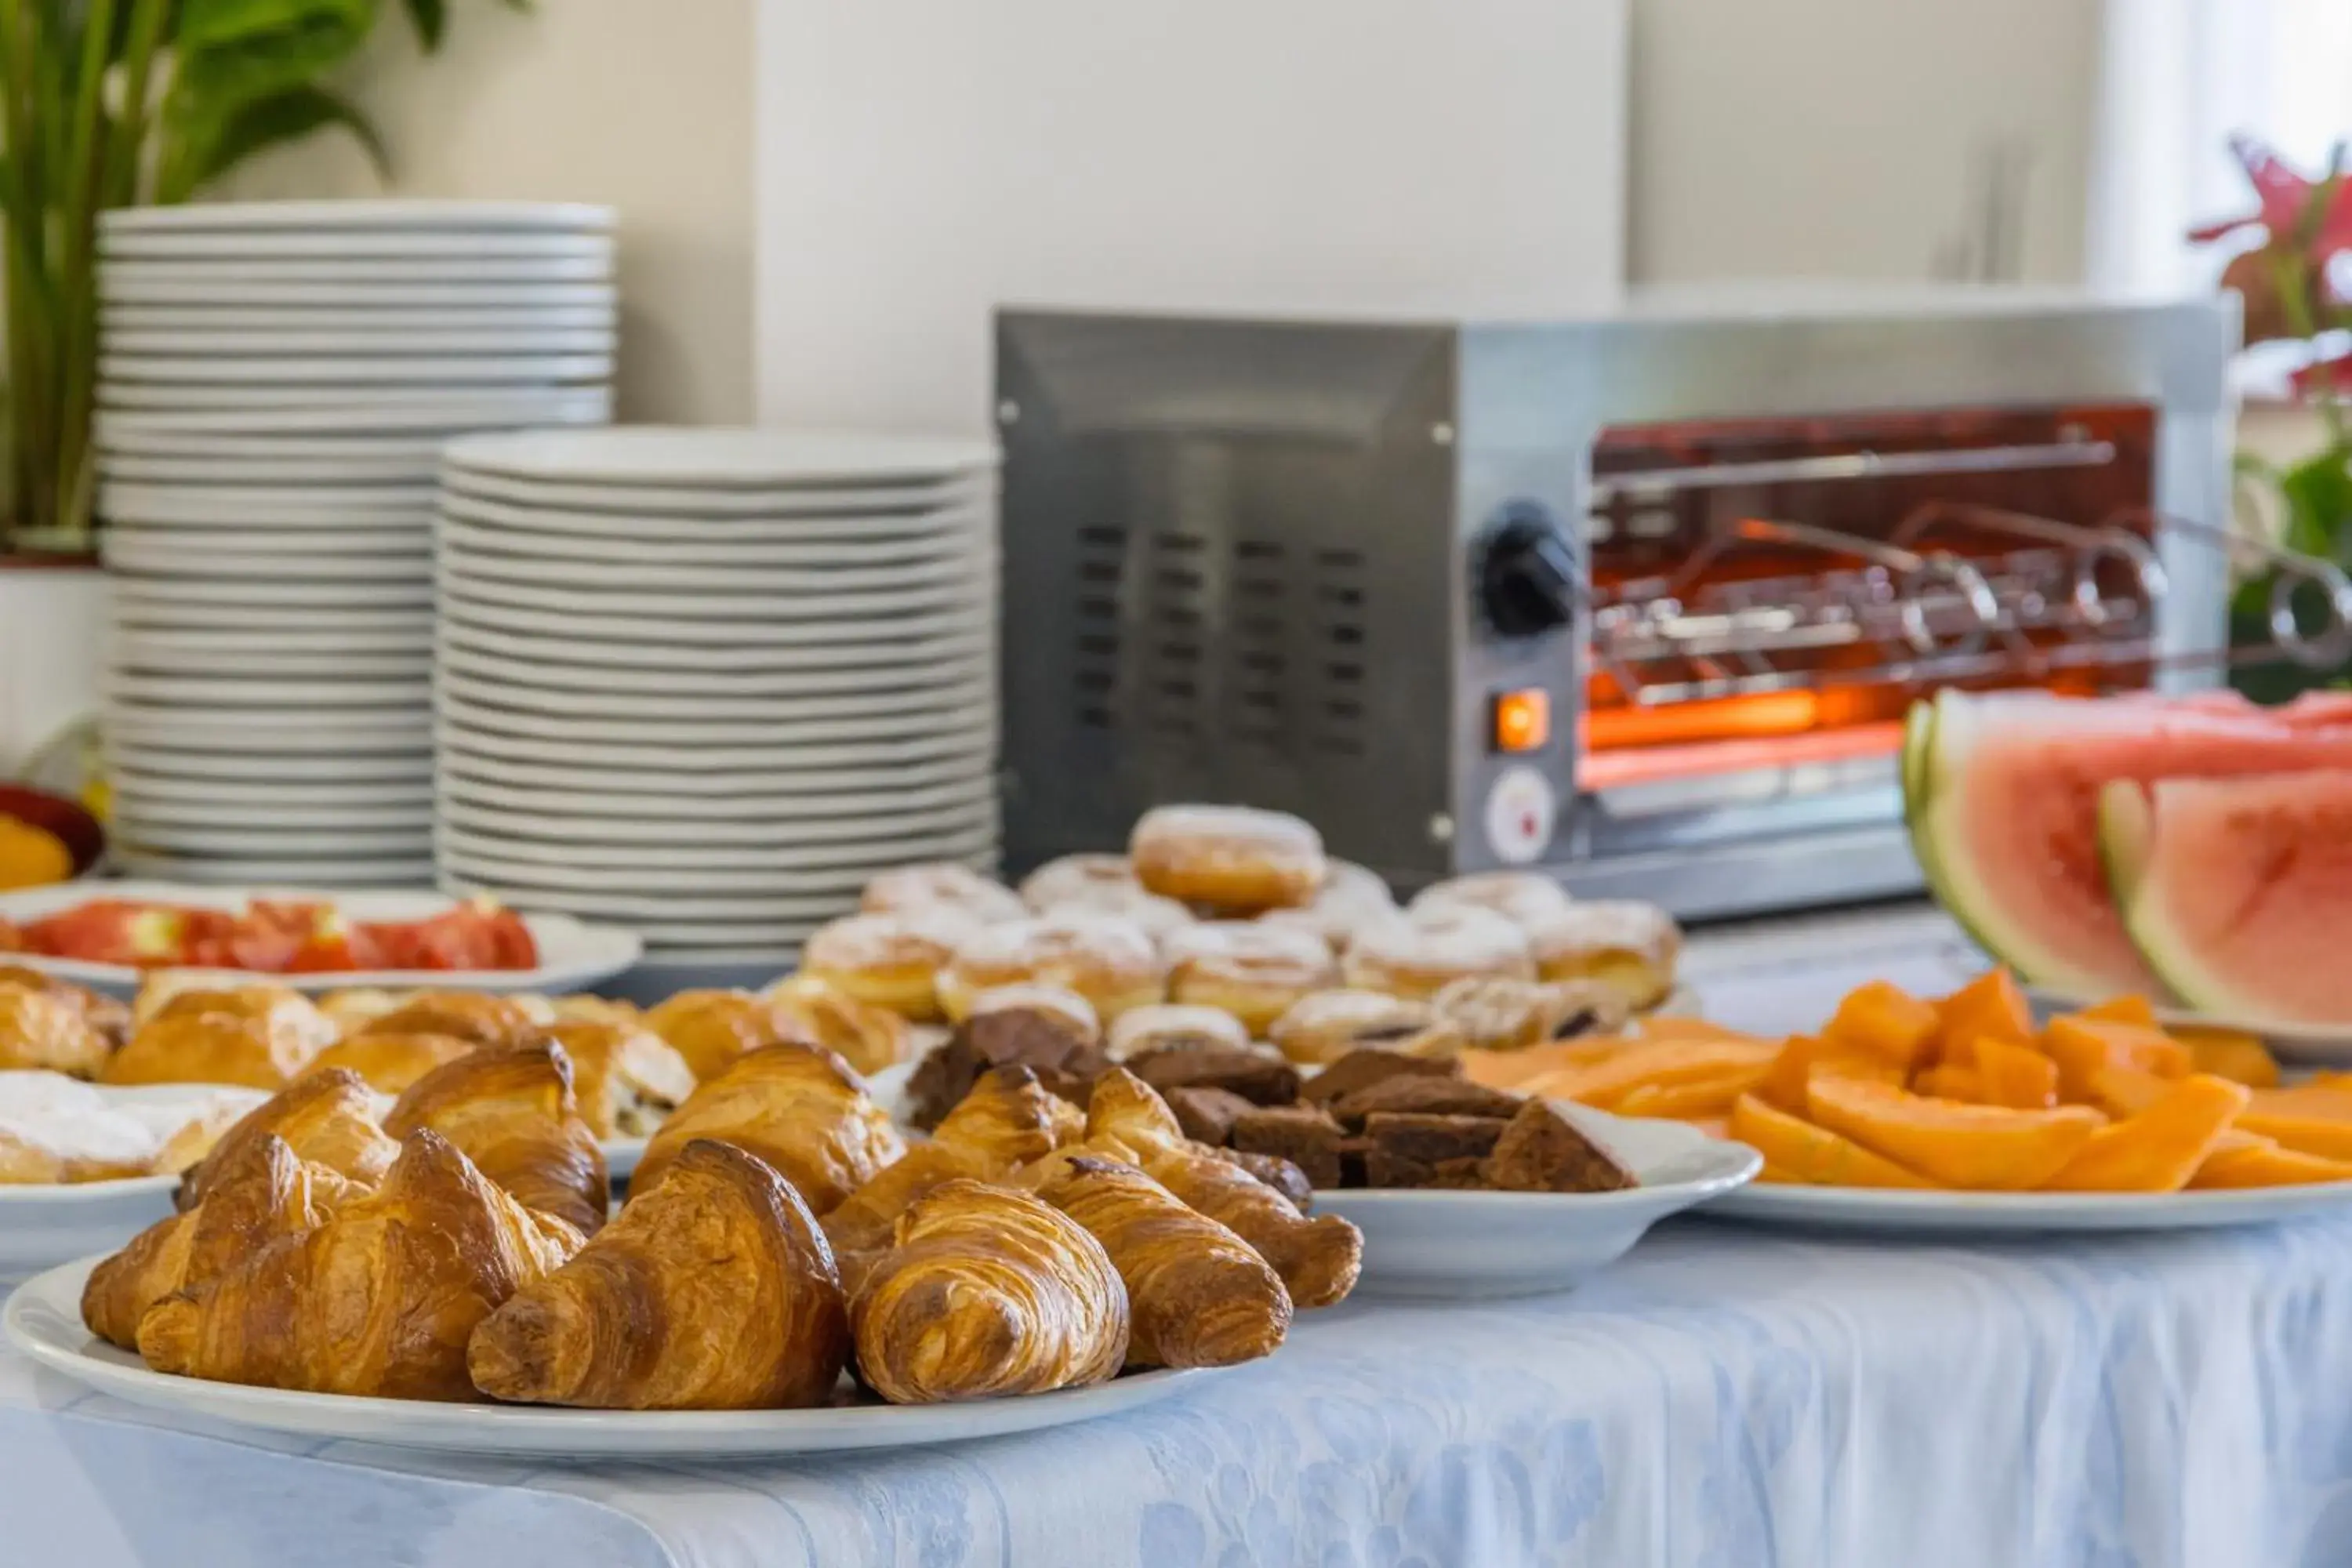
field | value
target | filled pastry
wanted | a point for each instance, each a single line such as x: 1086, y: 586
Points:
x: 1250, y: 969
x: 1108, y: 961
x: 868, y: 1038
x: 1172, y: 1027
x: 264, y: 1195
x: 1008, y: 1120
x: 259, y: 1035
x: 711, y: 1028
x: 890, y: 959
x: 102, y: 1013
x: 1523, y: 898
x: 1419, y: 954
x: 626, y: 1079
x: 1631, y: 948
x: 800, y: 1108
x: 327, y: 1117
x: 988, y: 1292
x: 39, y: 1032
x: 379, y: 1300
x: 1197, y: 1294
x: 1496, y: 1014
x: 714, y: 1290
x: 942, y: 885
x: 1236, y: 860
x: 511, y: 1110
x: 1326, y: 1025
x: 391, y: 1063
x: 473, y: 1015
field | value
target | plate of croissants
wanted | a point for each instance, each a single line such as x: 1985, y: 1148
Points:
x: 787, y: 1274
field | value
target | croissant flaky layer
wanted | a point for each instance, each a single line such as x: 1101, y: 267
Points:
x: 799, y: 1109
x: 511, y: 1109
x: 988, y: 1292
x: 713, y: 1292
x: 379, y: 1300
x: 327, y: 1117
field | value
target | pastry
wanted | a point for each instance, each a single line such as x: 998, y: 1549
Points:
x: 862, y: 1227
x: 1197, y: 1294
x: 1350, y: 899
x: 327, y: 1117
x: 1410, y: 1149
x: 1306, y: 1135
x: 352, y: 1009
x: 988, y: 1292
x: 468, y: 1015
x: 102, y: 1013
x: 1419, y: 954
x: 41, y: 1032
x: 586, y: 1009
x: 1368, y: 1065
x: 1631, y: 948
x: 1498, y: 1014
x: 1107, y: 960
x: 1051, y: 1033
x: 1260, y: 1077
x: 800, y: 1108
x: 511, y: 1110
x: 189, y: 1143
x: 942, y: 885
x: 379, y: 1300
x: 1522, y: 898
x: 215, y: 1047
x: 1541, y: 1151
x: 1253, y: 970
x: 1008, y: 1120
x: 1234, y: 858
x: 391, y: 1063
x: 186, y: 993
x: 1156, y: 917
x: 1166, y: 1025
x: 1272, y: 1169
x: 1078, y: 879
x: 890, y: 959
x: 867, y: 1036
x: 713, y: 1292
x: 711, y: 1028
x: 266, y: 1194
x: 625, y: 1078
x: 1326, y: 1025
x: 55, y: 1130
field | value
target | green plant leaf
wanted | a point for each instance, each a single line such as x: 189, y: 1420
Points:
x: 431, y: 20
x: 283, y: 117
x: 233, y: 54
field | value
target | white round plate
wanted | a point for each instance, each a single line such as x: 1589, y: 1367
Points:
x: 219, y: 345
x: 256, y: 651
x: 134, y: 656
x: 177, y: 472
x: 595, y: 506
x: 208, y: 504
x: 681, y: 895
x: 748, y: 859
x: 42, y: 1320
x: 1452, y: 1245
x: 367, y: 534
x: 40, y: 1226
x: 202, y: 768
x: 598, y: 666
x: 1889, y: 1212
x: 177, y: 838
x: 137, y: 729
x: 849, y: 617
x: 412, y: 626
x: 877, y: 583
x: 2306, y: 1045
x: 420, y: 446
x: 621, y: 1156
x: 748, y: 644
x: 233, y: 278
x: 666, y: 547
x: 396, y: 873
x: 749, y: 790
x: 478, y: 407
x: 154, y: 792
x: 204, y: 376
x: 386, y: 211
x: 573, y: 955
x: 815, y: 811
x: 389, y: 574
x: 151, y: 822
x: 658, y: 840
x: 160, y: 595
x: 971, y: 523
x: 971, y: 686
x: 333, y: 697
x: 119, y: 248
x: 709, y: 761
x: 375, y: 324
x: 212, y: 290
x: 714, y: 936
x: 716, y: 459
x: 632, y: 906
x: 475, y: 718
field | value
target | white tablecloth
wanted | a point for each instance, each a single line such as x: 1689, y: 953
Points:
x: 1725, y: 1397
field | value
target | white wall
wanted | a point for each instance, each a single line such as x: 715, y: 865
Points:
x: 921, y: 161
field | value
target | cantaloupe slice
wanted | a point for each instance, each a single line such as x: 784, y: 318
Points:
x: 2081, y: 1045
x: 2014, y: 1074
x: 1977, y: 1146
x: 1662, y: 1062
x: 1990, y: 1005
x: 2244, y: 1159
x: 1814, y: 1155
x: 2229, y: 1053
x: 1883, y: 1018
x: 2161, y: 1148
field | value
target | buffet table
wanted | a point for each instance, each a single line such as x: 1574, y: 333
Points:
x: 1725, y: 1396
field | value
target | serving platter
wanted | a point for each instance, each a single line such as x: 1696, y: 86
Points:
x: 1889, y: 1212
x: 573, y: 955
x: 42, y: 1320
x: 2309, y: 1044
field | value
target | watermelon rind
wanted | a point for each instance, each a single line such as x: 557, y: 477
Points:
x: 2127, y: 829
x: 2126, y: 826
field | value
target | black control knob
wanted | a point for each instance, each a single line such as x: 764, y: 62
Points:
x: 1528, y: 576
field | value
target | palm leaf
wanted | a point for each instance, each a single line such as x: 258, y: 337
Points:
x: 264, y: 123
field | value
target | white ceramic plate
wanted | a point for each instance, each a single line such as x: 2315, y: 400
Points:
x: 635, y: 909
x: 790, y: 737
x: 392, y: 571
x: 149, y: 597
x: 396, y: 213
x: 180, y: 472
x: 405, y: 873
x: 374, y: 322
x: 182, y: 548
x: 739, y: 894
x: 1459, y: 1244
x: 756, y: 786
x: 712, y: 458
x: 154, y: 653
x: 579, y: 665
x: 478, y: 407
x: 588, y: 509
x: 660, y: 840
x: 741, y: 619
x: 42, y: 1320
x: 269, y: 745
x: 574, y: 956
x: 380, y: 842
x: 1904, y: 1214
x: 160, y: 790
x: 235, y: 277
x: 420, y: 446
x: 810, y: 810
x: 172, y: 616
x: 141, y: 819
x: 210, y: 292
x: 754, y: 866
x: 292, y: 344
x: 201, y: 768
x: 2310, y: 1044
x: 957, y: 540
x: 42, y: 1225
x: 880, y: 583
x: 708, y: 759
x: 350, y: 244
x: 682, y: 638
x: 200, y: 374
x: 205, y: 692
x: 958, y: 691
x: 409, y: 505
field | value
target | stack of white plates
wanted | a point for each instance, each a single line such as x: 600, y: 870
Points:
x: 276, y: 383
x: 708, y: 682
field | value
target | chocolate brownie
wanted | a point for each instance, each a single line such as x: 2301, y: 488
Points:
x: 1368, y: 1065
x: 1428, y: 1095
x: 1206, y: 1114
x: 1541, y: 1151
x: 1410, y: 1149
x: 1049, y: 1044
x: 1302, y: 1135
x: 1275, y: 1172
x: 1259, y: 1077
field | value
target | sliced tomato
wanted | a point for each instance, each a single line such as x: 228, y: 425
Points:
x: 114, y: 931
x: 474, y: 936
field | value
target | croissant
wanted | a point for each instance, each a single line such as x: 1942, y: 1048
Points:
x: 1197, y: 1294
x: 868, y: 1038
x: 714, y: 1291
x: 39, y: 1031
x: 1127, y: 1114
x: 625, y: 1077
x: 261, y: 1039
x: 391, y: 1063
x: 326, y: 1117
x: 379, y: 1302
x: 988, y: 1292
x: 185, y: 995
x: 511, y: 1109
x: 711, y: 1028
x: 473, y: 1015
x: 102, y: 1013
x: 799, y: 1109
x: 264, y: 1194
x: 1010, y: 1119
x: 862, y: 1227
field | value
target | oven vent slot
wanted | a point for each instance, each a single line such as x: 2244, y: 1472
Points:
x: 1335, y: 686
x: 1178, y: 597
x: 1258, y: 617
x: 1095, y: 653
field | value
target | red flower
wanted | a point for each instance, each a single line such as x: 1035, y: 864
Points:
x: 2285, y: 197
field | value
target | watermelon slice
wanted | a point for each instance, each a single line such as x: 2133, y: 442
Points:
x: 2238, y: 891
x: 2005, y: 808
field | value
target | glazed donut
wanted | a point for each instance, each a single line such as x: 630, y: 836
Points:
x: 1632, y: 948
x: 890, y: 960
x: 1176, y: 1027
x: 1350, y: 898
x: 941, y: 882
x: 1497, y: 1014
x: 1234, y: 858
x: 1519, y: 897
x: 1326, y: 1025
x: 1252, y: 970
x: 1077, y: 879
x: 1062, y: 1003
x: 1108, y: 961
x: 1417, y: 954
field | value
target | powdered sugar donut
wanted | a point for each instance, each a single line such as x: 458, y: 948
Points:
x: 1329, y: 1024
x: 1141, y: 1030
x: 1520, y: 896
x: 1250, y: 969
x: 1351, y: 897
x: 1496, y: 1014
x: 1128, y: 901
x: 1109, y: 962
x: 1235, y: 858
x: 1077, y: 879
x: 941, y: 882
x: 1630, y: 947
x: 889, y: 959
x: 1416, y: 954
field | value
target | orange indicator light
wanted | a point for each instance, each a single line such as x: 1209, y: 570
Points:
x: 1522, y: 719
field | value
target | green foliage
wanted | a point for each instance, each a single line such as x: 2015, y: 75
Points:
x: 107, y: 103
x: 2315, y: 498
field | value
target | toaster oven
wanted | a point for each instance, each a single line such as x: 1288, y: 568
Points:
x: 1640, y: 601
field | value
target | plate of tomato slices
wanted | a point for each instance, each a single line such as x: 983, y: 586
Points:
x: 112, y: 935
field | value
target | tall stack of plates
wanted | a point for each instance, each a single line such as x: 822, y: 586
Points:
x: 276, y: 382
x: 708, y: 682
